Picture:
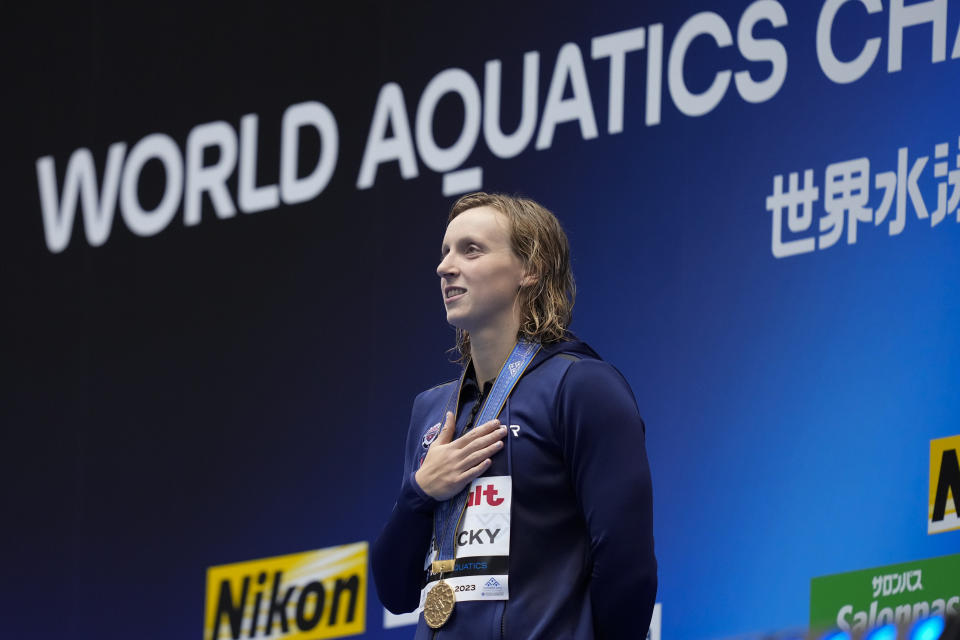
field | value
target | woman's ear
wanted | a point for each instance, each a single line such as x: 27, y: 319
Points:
x: 529, y: 279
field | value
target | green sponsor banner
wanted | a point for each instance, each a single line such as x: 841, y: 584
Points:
x: 898, y: 593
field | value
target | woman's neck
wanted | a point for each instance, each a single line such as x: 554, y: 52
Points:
x: 489, y: 350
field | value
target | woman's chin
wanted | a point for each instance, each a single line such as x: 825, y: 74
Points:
x: 457, y: 321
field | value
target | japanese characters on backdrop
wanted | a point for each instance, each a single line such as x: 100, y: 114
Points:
x: 847, y: 200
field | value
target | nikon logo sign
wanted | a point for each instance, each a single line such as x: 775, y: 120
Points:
x: 944, y: 485
x: 301, y: 596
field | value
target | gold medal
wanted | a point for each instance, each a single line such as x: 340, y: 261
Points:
x: 439, y: 605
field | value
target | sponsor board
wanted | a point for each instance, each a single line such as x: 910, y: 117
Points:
x: 944, y: 485
x: 899, y: 594
x: 391, y: 620
x: 653, y: 633
x: 299, y: 596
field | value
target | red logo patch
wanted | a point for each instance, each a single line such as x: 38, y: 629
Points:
x: 431, y: 435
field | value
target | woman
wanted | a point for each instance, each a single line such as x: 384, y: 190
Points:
x: 526, y: 509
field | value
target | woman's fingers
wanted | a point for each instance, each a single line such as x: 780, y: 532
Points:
x: 474, y: 472
x: 480, y: 455
x: 469, y: 439
x: 446, y: 433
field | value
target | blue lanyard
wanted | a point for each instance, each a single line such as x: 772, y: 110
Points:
x: 449, y: 512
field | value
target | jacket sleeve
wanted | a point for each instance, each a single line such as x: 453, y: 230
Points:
x: 399, y: 551
x: 602, y: 437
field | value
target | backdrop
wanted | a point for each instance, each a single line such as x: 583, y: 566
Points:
x: 221, y: 229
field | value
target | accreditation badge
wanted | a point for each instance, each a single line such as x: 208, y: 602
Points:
x: 481, y: 567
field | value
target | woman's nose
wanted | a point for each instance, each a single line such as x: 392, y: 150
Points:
x: 446, y: 266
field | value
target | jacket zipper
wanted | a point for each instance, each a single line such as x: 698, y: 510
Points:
x: 469, y: 426
x: 503, y: 620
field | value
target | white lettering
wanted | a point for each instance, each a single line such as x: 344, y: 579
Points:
x: 691, y: 104
x: 447, y: 81
x: 885, y: 616
x: 860, y: 620
x: 318, y: 116
x: 390, y: 112
x: 901, y: 17
x: 902, y: 614
x: 833, y: 68
x: 761, y: 50
x: 156, y: 146
x: 654, y: 73
x: 845, y: 611
x: 251, y: 197
x: 508, y: 146
x: 956, y: 45
x: 616, y: 46
x: 80, y: 184
x: 213, y: 178
x: 578, y: 107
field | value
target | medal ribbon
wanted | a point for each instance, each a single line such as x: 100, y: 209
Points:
x: 448, y: 513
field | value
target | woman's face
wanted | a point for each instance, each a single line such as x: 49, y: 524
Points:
x: 479, y: 272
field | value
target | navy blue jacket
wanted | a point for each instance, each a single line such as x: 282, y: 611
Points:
x: 582, y: 564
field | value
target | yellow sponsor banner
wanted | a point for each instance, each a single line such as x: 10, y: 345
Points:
x: 300, y: 596
x: 944, y: 485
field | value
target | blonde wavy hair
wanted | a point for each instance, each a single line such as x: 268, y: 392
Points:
x: 546, y: 305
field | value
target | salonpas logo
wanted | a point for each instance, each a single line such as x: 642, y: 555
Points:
x: 899, y: 593
x: 315, y: 594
